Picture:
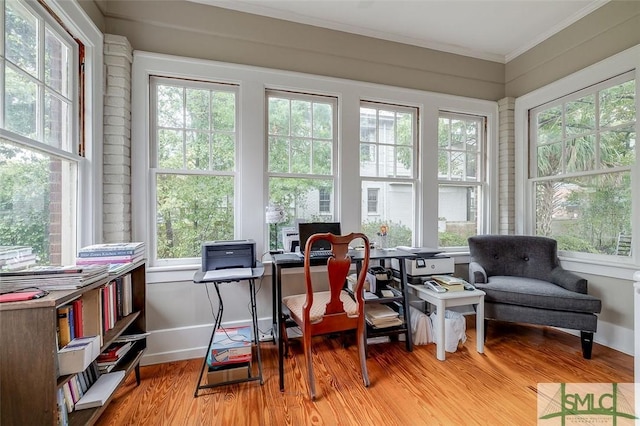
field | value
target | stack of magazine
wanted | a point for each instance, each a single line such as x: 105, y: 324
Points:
x: 381, y: 316
x: 52, y: 277
x: 116, y: 255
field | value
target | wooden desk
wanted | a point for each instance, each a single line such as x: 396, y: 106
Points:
x: 256, y: 272
x: 293, y: 260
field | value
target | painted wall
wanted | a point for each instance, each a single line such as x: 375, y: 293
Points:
x: 608, y: 30
x: 206, y: 32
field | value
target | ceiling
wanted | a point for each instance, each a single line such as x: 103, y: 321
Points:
x: 496, y: 30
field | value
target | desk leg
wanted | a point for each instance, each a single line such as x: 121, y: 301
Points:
x: 407, y: 308
x: 480, y: 325
x: 256, y: 334
x: 215, y: 327
x: 440, y: 312
x: 278, y: 327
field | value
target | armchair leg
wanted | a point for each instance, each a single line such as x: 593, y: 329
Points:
x: 362, y: 344
x: 586, y: 337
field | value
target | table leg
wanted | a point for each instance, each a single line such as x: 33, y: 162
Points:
x: 278, y: 328
x: 216, y: 324
x: 440, y: 312
x: 480, y: 325
x: 256, y: 334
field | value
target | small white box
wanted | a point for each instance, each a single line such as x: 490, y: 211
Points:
x: 78, y: 354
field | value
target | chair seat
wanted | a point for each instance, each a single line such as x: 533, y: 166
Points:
x: 537, y: 294
x: 320, y: 299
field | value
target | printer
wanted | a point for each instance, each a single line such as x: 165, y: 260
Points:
x: 427, y: 262
x: 228, y: 254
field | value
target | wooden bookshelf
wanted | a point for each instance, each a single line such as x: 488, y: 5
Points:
x: 29, y: 353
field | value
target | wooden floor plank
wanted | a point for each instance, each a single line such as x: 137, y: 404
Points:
x: 494, y: 388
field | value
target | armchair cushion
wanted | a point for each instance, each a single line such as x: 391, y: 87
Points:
x: 537, y: 294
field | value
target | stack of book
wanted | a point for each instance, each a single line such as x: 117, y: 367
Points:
x: 14, y: 258
x: 381, y: 316
x: 110, y: 357
x: 53, y: 277
x: 113, y: 254
x: 449, y: 282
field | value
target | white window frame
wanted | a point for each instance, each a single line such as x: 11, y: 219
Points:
x: 391, y: 179
x: 333, y: 176
x: 89, y: 188
x: 156, y: 171
x: 613, y: 266
x: 253, y: 81
x: 481, y: 182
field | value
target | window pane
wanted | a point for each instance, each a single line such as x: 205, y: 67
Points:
x: 617, y: 147
x: 170, y: 149
x: 56, y: 122
x: 197, y: 154
x: 224, y: 151
x: 224, y: 111
x: 386, y: 127
x: 322, y: 121
x: 368, y: 160
x: 37, y: 207
x: 278, y: 155
x: 586, y: 213
x: 279, y: 116
x: 300, y: 198
x: 580, y: 116
x: 197, y: 109
x: 395, y: 213
x: 550, y: 125
x: 322, y: 158
x: 549, y: 159
x: 300, y: 156
x: 457, y: 214
x: 21, y: 37
x: 20, y: 104
x: 617, y: 105
x: 368, y: 125
x: 190, y: 210
x: 404, y: 161
x: 170, y: 106
x: 57, y: 63
x: 580, y: 154
x: 301, y: 118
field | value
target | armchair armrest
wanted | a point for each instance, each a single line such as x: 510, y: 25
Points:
x: 477, y: 274
x: 568, y: 280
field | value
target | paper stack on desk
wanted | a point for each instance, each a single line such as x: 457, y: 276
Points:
x: 381, y: 316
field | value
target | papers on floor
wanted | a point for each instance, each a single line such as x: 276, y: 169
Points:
x: 381, y: 316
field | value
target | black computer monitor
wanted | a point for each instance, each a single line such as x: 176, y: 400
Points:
x: 306, y: 230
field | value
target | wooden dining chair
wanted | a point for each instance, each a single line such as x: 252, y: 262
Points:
x: 335, y: 310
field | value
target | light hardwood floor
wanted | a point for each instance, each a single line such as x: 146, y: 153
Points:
x: 494, y: 388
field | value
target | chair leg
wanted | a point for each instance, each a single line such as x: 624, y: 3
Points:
x: 586, y: 338
x: 306, y: 341
x: 363, y: 357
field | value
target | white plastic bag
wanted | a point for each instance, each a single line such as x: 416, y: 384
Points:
x: 454, y: 330
x: 421, y: 331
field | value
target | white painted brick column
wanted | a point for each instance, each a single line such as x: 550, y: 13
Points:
x: 506, y: 166
x: 118, y: 56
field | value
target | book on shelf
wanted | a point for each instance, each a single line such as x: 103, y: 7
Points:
x: 53, y: 277
x: 64, y: 326
x: 131, y: 337
x: 114, y: 353
x: 109, y: 260
x: 381, y: 316
x: 100, y: 391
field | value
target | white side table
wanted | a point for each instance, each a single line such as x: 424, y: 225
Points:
x: 452, y: 298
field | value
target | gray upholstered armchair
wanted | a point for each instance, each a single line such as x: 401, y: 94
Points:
x: 524, y: 282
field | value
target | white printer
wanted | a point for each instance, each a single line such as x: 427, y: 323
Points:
x: 427, y: 262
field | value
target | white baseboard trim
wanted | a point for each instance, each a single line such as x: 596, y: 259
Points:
x: 184, y: 343
x: 178, y: 344
x: 612, y: 336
